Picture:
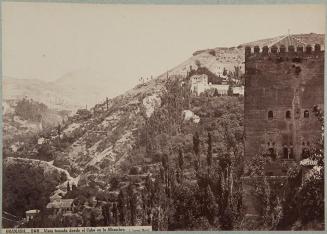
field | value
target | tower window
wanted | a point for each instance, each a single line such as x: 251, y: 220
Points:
x: 285, y: 152
x: 288, y: 114
x: 306, y: 114
x: 291, y: 154
x: 271, y: 153
x: 270, y: 115
x: 305, y: 153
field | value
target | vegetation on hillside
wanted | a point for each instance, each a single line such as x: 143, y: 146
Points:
x: 30, y: 189
x: 178, y: 174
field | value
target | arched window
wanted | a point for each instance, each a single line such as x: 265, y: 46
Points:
x: 272, y: 153
x: 270, y: 115
x: 306, y: 114
x: 291, y: 153
x: 288, y: 114
x: 285, y: 152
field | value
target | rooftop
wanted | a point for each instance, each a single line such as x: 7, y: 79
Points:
x: 291, y: 39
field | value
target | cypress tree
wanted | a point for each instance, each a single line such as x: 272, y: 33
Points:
x: 209, y: 154
x: 180, y: 159
x: 196, y: 144
x: 121, y: 208
x: 68, y: 187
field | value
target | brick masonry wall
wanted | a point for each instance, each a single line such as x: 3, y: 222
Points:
x: 281, y: 81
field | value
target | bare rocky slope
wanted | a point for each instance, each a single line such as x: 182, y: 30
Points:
x: 107, y: 136
x: 97, y: 143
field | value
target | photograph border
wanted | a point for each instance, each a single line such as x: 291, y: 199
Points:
x: 178, y: 2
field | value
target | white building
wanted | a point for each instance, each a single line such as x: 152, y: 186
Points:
x: 30, y: 214
x: 221, y: 89
x: 239, y: 91
x: 199, y: 84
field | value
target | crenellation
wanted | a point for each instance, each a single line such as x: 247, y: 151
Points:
x: 265, y: 50
x: 274, y: 49
x: 308, y: 49
x: 299, y: 49
x: 291, y: 49
x: 282, y: 52
x: 317, y: 48
x: 282, y: 49
x: 256, y: 49
x: 247, y: 50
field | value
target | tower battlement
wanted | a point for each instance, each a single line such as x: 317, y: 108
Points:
x: 308, y: 51
x: 282, y: 85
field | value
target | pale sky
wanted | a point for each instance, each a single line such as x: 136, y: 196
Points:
x: 124, y: 42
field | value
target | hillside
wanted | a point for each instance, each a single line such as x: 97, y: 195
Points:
x: 157, y: 131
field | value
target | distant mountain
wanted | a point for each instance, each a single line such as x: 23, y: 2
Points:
x: 84, y: 87
x: 136, y: 128
x: 72, y: 91
x: 41, y: 91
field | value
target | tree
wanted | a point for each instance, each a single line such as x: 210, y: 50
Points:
x: 59, y: 129
x: 121, y: 208
x: 237, y: 72
x: 115, y: 214
x: 196, y: 144
x: 107, y: 103
x: 198, y: 63
x: 180, y: 159
x: 209, y: 153
x: 210, y: 205
x: 68, y: 187
x: 230, y: 90
x: 132, y: 199
x: 224, y: 72
x: 164, y: 161
x: 216, y: 94
x: 93, y: 222
x: 212, y: 52
x: 106, y: 214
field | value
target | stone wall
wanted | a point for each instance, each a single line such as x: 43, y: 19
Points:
x: 282, y: 87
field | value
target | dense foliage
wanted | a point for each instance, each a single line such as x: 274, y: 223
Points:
x: 30, y: 110
x: 30, y: 189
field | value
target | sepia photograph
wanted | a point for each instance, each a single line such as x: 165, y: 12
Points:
x: 157, y: 117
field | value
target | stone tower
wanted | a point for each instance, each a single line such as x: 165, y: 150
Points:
x: 283, y: 83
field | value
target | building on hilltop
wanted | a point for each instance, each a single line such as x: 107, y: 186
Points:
x: 200, y: 84
x: 282, y: 86
x: 238, y: 91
